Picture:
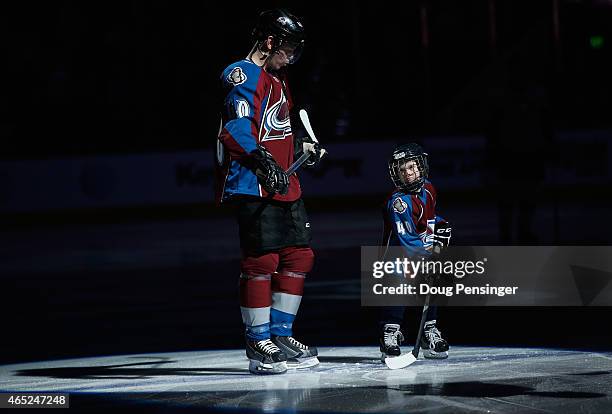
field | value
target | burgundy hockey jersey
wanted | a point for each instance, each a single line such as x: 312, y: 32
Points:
x: 256, y: 111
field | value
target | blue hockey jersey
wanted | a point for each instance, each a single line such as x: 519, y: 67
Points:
x: 256, y: 111
x: 410, y: 219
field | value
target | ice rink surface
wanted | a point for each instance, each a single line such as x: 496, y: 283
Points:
x: 349, y: 379
x: 138, y: 290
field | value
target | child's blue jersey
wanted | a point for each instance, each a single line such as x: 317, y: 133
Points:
x: 410, y: 219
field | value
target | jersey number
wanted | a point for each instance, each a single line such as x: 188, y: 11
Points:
x: 220, y: 150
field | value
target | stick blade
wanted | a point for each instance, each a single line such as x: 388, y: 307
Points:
x: 304, y: 117
x: 401, y: 361
x: 306, y: 123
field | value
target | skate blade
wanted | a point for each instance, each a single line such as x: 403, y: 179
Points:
x: 300, y: 363
x: 260, y: 368
x: 429, y: 354
x: 401, y: 361
x: 383, y: 356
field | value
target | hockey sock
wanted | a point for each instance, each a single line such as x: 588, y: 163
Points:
x: 255, y: 294
x: 255, y: 305
x: 287, y: 289
x: 432, y: 313
x: 391, y: 314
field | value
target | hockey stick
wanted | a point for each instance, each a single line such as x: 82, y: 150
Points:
x: 403, y: 361
x: 306, y: 123
x: 298, y: 163
x: 417, y: 345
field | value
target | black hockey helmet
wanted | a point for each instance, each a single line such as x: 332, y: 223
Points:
x: 401, y: 155
x: 285, y: 28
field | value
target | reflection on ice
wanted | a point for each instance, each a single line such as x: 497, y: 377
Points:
x: 348, y: 379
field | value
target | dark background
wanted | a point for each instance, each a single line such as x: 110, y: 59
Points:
x: 139, y: 76
x: 101, y: 78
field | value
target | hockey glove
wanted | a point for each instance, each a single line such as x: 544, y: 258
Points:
x: 442, y: 236
x: 270, y: 175
x: 306, y: 144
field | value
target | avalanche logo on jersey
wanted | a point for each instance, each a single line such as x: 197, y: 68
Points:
x: 276, y: 122
x: 236, y: 76
x: 427, y: 235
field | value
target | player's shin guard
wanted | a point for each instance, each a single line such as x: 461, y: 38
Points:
x: 255, y: 305
x: 287, y: 289
x: 264, y: 356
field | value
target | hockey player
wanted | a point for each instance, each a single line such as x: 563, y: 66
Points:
x: 410, y: 221
x: 255, y: 147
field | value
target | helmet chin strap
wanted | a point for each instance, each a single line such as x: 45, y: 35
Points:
x: 264, y: 55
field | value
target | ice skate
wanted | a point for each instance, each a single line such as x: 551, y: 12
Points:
x: 265, y: 357
x: 432, y: 343
x: 389, y: 341
x: 298, y: 354
x: 391, y: 338
x: 391, y: 353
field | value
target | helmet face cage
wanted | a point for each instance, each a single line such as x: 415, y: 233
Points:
x: 402, y: 157
x: 295, y: 54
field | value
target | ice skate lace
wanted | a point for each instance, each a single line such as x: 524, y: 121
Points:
x: 268, y: 347
x: 433, y: 335
x: 297, y: 343
x: 394, y: 338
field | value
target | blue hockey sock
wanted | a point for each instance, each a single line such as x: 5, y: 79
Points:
x: 281, y: 323
x: 258, y: 333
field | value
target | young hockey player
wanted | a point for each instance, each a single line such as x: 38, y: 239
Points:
x: 410, y: 221
x: 255, y: 147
